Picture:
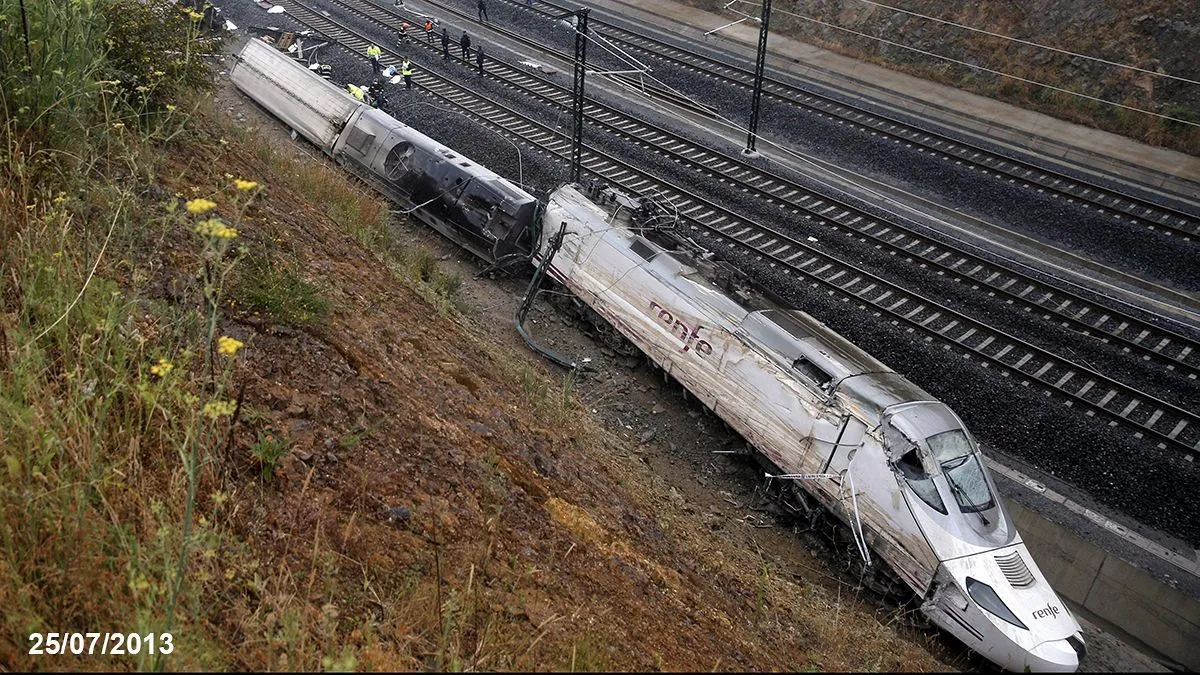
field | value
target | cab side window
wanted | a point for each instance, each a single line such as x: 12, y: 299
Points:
x: 908, y: 461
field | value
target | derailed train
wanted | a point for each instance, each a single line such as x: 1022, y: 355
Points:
x: 894, y: 465
x: 458, y: 197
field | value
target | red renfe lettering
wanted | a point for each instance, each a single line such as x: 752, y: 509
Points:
x: 688, y: 335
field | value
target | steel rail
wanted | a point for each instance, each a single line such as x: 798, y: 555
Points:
x: 1167, y: 220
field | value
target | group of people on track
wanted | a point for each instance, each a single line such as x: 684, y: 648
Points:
x: 374, y: 93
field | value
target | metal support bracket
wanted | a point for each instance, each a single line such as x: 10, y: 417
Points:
x: 531, y: 294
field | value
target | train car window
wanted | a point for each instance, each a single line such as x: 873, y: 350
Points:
x: 811, y: 372
x: 396, y: 164
x: 360, y: 140
x: 642, y: 248
x: 960, y: 465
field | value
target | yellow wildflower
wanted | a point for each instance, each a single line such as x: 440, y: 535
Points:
x: 227, y: 232
x: 211, y: 227
x: 161, y: 368
x: 218, y: 409
x: 200, y: 205
x: 170, y: 108
x: 228, y: 345
x: 245, y: 185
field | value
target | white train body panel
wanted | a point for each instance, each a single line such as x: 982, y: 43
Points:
x: 304, y: 101
x: 813, y: 403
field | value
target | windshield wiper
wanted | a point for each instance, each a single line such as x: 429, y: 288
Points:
x: 959, y: 493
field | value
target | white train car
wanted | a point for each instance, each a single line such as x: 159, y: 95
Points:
x: 883, y: 456
x: 462, y: 199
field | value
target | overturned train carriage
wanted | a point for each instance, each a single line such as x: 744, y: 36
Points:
x: 458, y: 197
x: 883, y: 456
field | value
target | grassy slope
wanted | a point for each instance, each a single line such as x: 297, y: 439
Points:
x: 368, y: 482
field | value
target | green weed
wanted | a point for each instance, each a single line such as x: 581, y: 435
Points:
x: 274, y: 289
x: 268, y: 450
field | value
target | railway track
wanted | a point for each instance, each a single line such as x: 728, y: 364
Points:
x: 1120, y: 206
x: 1173, y: 351
x: 1079, y: 386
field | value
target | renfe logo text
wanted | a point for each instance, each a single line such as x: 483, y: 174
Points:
x: 686, y: 334
x: 1050, y: 611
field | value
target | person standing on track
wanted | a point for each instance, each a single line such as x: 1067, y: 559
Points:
x: 373, y: 53
x: 479, y: 59
x: 445, y: 45
x: 406, y: 70
x: 482, y: 6
x: 429, y: 31
x: 464, y: 43
x: 400, y: 41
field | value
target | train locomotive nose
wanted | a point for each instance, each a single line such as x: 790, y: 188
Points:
x: 1057, y: 656
x: 1016, y: 621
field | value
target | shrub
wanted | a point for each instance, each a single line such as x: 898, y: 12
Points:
x: 154, y: 49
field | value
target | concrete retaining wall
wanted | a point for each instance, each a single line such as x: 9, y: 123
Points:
x: 1112, y: 589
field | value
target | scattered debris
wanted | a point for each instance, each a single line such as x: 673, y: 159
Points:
x: 398, y: 514
x: 540, y: 67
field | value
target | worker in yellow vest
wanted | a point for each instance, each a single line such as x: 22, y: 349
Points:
x: 406, y: 70
x: 356, y: 92
x: 373, y: 53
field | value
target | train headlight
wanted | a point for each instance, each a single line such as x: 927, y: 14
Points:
x: 986, y: 597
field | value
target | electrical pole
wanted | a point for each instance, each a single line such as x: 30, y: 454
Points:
x: 581, y: 27
x: 760, y: 66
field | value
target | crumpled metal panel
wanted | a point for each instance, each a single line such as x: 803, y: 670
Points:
x: 305, y: 102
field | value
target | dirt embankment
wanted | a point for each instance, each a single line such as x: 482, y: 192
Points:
x: 446, y: 501
x: 1158, y: 36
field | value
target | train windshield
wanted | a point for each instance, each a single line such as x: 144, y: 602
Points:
x: 960, y: 465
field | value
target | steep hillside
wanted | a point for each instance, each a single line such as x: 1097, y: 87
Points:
x: 1160, y: 36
